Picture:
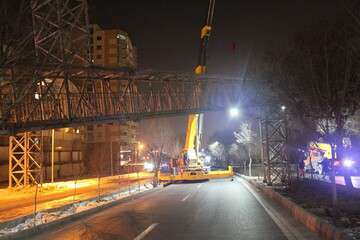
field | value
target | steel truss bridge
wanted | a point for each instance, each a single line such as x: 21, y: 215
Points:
x: 47, y: 80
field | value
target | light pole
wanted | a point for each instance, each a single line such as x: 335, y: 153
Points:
x: 52, y: 153
x: 139, y: 148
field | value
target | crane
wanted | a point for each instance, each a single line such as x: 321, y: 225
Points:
x: 195, y: 121
x: 190, y: 163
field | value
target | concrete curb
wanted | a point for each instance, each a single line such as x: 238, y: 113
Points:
x: 56, y: 223
x: 314, y: 223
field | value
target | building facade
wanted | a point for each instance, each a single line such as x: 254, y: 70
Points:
x: 107, y: 146
x: 112, y: 48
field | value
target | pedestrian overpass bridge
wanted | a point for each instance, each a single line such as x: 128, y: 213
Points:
x: 48, y: 80
x: 87, y: 95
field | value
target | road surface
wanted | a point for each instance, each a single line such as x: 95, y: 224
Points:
x: 217, y: 209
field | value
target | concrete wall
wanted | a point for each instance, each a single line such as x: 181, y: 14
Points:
x: 62, y: 171
x: 69, y: 171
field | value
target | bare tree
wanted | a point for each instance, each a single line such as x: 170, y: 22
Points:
x: 246, y: 136
x: 175, y: 148
x: 235, y: 153
x: 218, y: 150
x: 161, y: 132
x: 239, y: 155
x: 162, y: 140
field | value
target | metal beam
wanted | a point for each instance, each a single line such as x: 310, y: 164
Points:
x: 24, y: 159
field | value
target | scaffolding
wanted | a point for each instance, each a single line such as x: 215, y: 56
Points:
x: 274, y: 134
x: 24, y: 159
x: 60, y: 36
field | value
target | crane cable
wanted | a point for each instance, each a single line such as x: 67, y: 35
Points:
x: 204, y: 39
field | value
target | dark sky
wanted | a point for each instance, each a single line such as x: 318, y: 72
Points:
x: 166, y: 33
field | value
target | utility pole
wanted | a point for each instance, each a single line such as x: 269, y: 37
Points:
x: 52, y: 153
x: 111, y: 158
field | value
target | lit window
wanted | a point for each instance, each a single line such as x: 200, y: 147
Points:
x: 121, y: 36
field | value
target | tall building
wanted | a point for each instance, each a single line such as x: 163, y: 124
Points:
x: 112, y: 48
x: 107, y: 146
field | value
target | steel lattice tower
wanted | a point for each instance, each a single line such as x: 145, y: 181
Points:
x: 274, y: 134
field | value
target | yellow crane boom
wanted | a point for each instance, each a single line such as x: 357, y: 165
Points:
x: 194, y: 126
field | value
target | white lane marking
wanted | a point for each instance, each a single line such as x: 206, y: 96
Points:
x: 186, y: 197
x: 284, y: 227
x: 146, y: 231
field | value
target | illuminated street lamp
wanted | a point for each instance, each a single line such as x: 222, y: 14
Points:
x: 234, y: 112
x: 140, y: 147
x: 283, y: 108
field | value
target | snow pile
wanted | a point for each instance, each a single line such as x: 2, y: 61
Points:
x: 43, y: 217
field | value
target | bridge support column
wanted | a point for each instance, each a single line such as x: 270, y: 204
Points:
x: 24, y: 159
x: 273, y: 139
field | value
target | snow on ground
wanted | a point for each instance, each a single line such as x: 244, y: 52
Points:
x: 43, y: 217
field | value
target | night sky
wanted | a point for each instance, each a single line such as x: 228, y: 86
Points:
x: 166, y: 33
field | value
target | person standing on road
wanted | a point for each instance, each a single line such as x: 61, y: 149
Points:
x: 325, y: 167
x: 301, y: 166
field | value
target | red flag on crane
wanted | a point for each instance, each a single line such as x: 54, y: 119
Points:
x: 233, y: 47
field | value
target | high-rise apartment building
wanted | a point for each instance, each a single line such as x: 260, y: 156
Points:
x: 107, y: 145
x: 112, y: 48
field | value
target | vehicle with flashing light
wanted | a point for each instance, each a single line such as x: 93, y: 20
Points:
x: 347, y: 165
x: 319, y: 156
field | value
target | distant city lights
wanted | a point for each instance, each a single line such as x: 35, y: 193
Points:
x: 148, y: 166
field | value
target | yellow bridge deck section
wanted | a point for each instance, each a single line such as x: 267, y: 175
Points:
x: 196, y: 175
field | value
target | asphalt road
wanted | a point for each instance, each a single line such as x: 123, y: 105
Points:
x: 217, y: 209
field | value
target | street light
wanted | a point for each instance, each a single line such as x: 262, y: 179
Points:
x: 283, y: 108
x: 234, y: 112
x: 140, y: 147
